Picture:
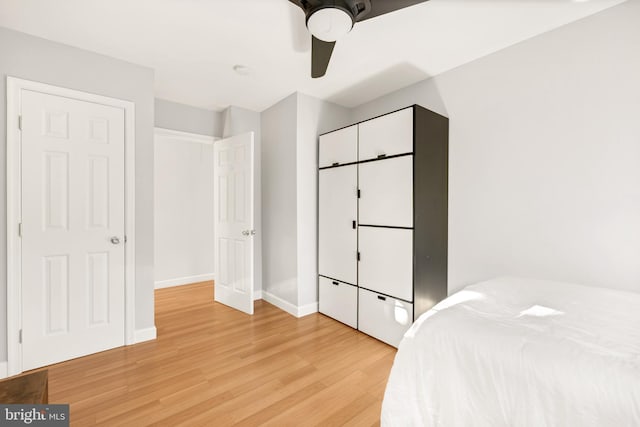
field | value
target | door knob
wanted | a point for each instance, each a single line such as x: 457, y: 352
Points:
x: 115, y: 240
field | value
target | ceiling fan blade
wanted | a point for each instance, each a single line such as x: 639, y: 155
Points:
x: 380, y: 7
x: 299, y: 32
x: 297, y: 3
x: 320, y: 55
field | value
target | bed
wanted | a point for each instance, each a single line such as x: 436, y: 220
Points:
x: 520, y: 352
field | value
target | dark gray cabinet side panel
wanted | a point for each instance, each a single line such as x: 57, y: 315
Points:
x: 431, y: 171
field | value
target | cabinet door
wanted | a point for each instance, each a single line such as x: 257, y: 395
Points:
x: 386, y: 261
x: 383, y: 317
x: 339, y: 147
x: 337, y: 213
x: 386, y: 192
x: 338, y: 300
x: 386, y: 135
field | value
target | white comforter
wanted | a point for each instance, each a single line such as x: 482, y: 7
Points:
x: 518, y: 352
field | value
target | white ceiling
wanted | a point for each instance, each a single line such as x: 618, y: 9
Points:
x: 193, y: 44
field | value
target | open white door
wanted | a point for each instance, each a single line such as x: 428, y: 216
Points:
x: 233, y: 211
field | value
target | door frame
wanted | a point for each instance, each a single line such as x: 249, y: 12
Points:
x: 14, y: 214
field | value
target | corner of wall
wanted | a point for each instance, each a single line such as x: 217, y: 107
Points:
x: 292, y: 309
x: 4, y: 372
x: 291, y: 128
x: 145, y: 334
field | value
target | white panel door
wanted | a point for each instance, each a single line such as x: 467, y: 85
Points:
x: 386, y: 135
x: 338, y: 147
x: 73, y: 253
x: 337, y: 215
x: 233, y: 211
x: 386, y: 192
x: 386, y: 261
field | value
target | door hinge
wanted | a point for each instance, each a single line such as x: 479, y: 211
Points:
x: 19, y: 229
x: 20, y: 336
x: 358, y: 193
x: 125, y: 239
x: 358, y: 256
x: 20, y: 122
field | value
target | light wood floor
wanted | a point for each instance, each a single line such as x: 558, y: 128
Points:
x: 214, y: 366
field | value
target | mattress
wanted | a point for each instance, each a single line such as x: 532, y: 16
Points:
x: 520, y: 352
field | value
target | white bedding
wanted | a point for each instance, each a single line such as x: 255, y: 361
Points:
x: 519, y: 352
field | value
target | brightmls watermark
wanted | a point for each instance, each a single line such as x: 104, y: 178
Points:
x: 34, y: 415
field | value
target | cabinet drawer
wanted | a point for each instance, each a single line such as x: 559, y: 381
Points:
x: 338, y: 147
x: 386, y: 261
x: 387, y: 135
x: 384, y: 318
x: 386, y: 192
x: 339, y: 300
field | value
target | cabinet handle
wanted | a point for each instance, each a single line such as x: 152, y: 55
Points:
x: 353, y: 224
x: 382, y: 156
x: 380, y: 297
x: 336, y: 283
x: 335, y: 164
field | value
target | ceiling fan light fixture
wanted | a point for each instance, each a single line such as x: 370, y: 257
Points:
x: 330, y: 23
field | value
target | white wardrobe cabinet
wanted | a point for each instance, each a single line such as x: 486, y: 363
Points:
x: 382, y: 228
x: 387, y: 135
x: 337, y: 216
x: 386, y: 192
x: 339, y: 147
x: 386, y: 261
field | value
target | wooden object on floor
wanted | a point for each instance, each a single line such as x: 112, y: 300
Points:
x: 31, y: 388
x: 212, y: 365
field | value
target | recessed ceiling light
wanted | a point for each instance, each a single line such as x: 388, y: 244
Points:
x: 243, y: 70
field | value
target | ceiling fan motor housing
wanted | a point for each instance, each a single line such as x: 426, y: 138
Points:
x: 354, y: 8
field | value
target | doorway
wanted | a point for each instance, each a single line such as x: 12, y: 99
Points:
x: 70, y: 215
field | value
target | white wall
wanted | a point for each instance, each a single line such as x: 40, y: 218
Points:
x: 290, y: 132
x: 183, y: 188
x: 176, y: 116
x: 33, y: 58
x: 279, y: 217
x: 544, y: 155
x: 184, y: 227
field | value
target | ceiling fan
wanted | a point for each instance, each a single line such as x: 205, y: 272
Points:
x: 328, y: 20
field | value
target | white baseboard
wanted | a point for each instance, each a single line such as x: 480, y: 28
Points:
x: 141, y: 335
x: 147, y: 334
x: 292, y: 309
x: 280, y: 303
x: 257, y: 295
x: 188, y: 280
x: 305, y: 310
